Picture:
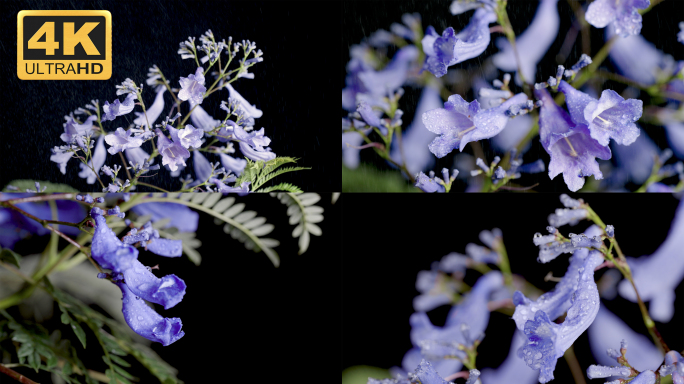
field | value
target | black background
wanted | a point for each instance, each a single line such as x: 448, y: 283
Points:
x: 33, y: 23
x: 291, y: 86
x: 361, y: 18
x: 243, y: 319
x: 411, y: 232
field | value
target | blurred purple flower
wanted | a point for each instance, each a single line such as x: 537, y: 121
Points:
x: 153, y: 111
x: 182, y: 217
x: 452, y: 48
x: 386, y: 81
x: 236, y: 166
x: 622, y: 13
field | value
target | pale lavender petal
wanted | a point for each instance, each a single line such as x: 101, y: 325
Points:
x: 515, y: 130
x: 153, y: 111
x: 390, y: 78
x: 350, y: 154
x: 201, y: 119
x: 236, y: 166
x: 656, y: 276
x: 601, y: 13
x: 202, y: 166
x: 137, y: 156
x: 613, y: 117
x: 577, y: 102
x: 490, y: 122
x: 675, y: 136
x: 637, y: 158
x: 417, y: 137
x: 251, y: 110
x: 532, y: 44
x: 638, y: 59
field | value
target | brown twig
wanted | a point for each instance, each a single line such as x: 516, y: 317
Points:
x: 55, y: 196
x: 16, y: 375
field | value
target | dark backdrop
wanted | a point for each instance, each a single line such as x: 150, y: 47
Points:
x: 361, y: 18
x: 243, y: 319
x: 382, y: 257
x: 291, y: 85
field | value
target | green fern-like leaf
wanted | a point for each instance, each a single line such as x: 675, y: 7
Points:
x: 260, y: 172
x: 286, y: 187
x: 266, y: 177
x: 304, y: 215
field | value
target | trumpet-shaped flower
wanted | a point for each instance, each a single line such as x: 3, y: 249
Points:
x: 121, y: 140
x: 203, y: 168
x: 201, y: 119
x: 137, y: 156
x: 167, y: 291
x: 117, y: 108
x: 165, y: 247
x: 236, y: 166
x: 192, y: 87
x: 387, y: 80
x: 250, y: 110
x: 242, y: 190
x: 548, y: 341
x: 173, y: 154
x: 148, y: 323
x: 573, y: 151
x: 452, y: 48
x: 74, y: 131
x: 460, y: 122
x: 622, y: 13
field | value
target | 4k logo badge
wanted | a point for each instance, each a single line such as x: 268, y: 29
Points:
x: 64, y: 45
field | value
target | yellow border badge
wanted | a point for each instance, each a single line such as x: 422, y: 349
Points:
x: 64, y: 45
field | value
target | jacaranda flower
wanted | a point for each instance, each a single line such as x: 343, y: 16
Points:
x: 121, y: 140
x: 387, y: 80
x: 236, y: 166
x: 107, y: 249
x: 165, y: 247
x: 548, y: 341
x: 61, y: 156
x: 117, y: 108
x: 173, y: 154
x: 167, y: 291
x: 427, y: 184
x: 623, y: 13
x: 460, y: 122
x: 182, y: 217
x: 573, y: 151
x: 513, y: 366
x: 136, y: 156
x: 146, y: 322
x: 202, y: 166
x: 201, y: 119
x: 74, y: 131
x: 452, y: 48
x: 242, y: 190
x: 609, y: 117
x: 193, y: 88
x: 250, y: 110
x: 188, y: 137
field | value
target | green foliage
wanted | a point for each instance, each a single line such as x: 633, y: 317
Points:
x: 260, y: 172
x: 24, y: 184
x: 368, y: 179
x: 304, y: 214
x: 10, y: 257
x: 242, y: 225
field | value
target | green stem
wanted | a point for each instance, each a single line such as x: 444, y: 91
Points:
x: 151, y: 186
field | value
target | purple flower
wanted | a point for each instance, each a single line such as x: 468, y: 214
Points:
x: 117, y: 108
x: 107, y: 249
x: 460, y: 122
x: 121, y: 140
x: 573, y: 151
x: 146, y: 322
x: 532, y: 44
x: 608, y: 330
x: 167, y: 291
x: 451, y: 48
x: 358, y: 64
x: 674, y: 365
x: 173, y: 154
x: 153, y: 111
x: 386, y: 81
x: 203, y: 168
x: 609, y: 117
x: 553, y: 303
x: 622, y: 13
x: 426, y: 374
x: 428, y: 184
x: 242, y: 190
x: 416, y: 138
x: 250, y: 110
x: 97, y: 160
x: 680, y: 35
x: 73, y: 131
x: 656, y: 283
x: 61, y: 156
x: 165, y: 247
x: 188, y: 137
x: 182, y: 217
x: 236, y: 166
x: 252, y: 144
x: 193, y: 87
x: 201, y: 119
x: 548, y: 341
